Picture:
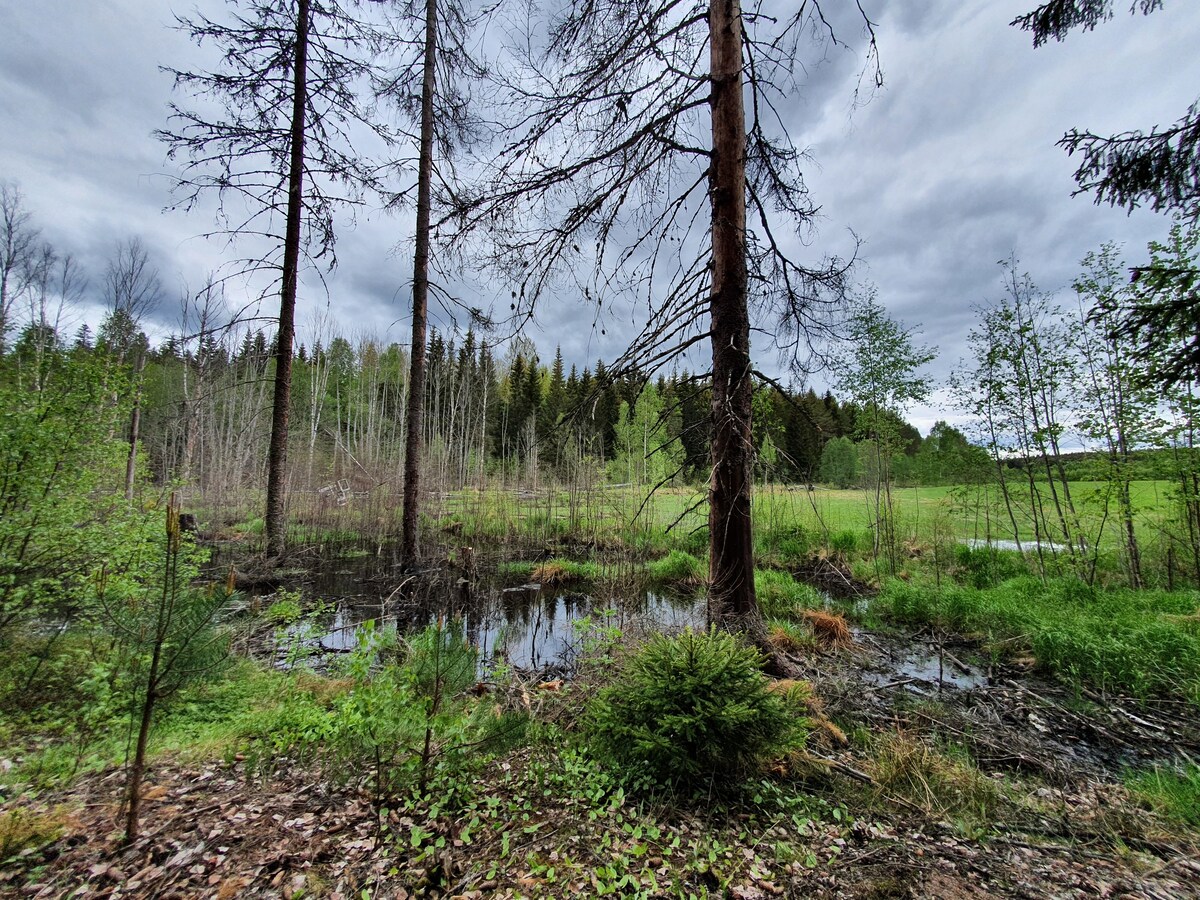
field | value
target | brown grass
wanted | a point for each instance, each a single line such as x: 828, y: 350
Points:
x: 550, y: 573
x: 830, y: 629
x: 784, y: 642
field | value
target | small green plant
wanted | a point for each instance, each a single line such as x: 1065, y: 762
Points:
x: 286, y: 609
x: 693, y: 709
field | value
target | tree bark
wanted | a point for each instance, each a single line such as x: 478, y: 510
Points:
x: 410, y: 536
x: 276, y: 524
x: 731, y: 555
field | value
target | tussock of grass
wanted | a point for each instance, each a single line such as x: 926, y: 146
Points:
x: 552, y: 571
x: 1116, y: 639
x: 780, y: 596
x: 829, y: 629
x: 561, y: 571
x: 22, y: 828
x: 679, y: 568
x: 907, y: 768
x: 787, y: 637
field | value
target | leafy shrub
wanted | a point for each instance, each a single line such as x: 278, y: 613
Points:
x: 691, y: 710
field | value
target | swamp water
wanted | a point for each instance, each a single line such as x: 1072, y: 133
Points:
x: 529, y: 627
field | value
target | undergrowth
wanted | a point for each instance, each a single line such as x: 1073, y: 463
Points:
x: 1144, y: 642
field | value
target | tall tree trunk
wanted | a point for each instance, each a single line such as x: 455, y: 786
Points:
x: 276, y: 524
x: 731, y: 554
x: 135, y: 423
x: 409, y: 537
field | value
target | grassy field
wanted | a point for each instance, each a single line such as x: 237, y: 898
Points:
x: 791, y: 517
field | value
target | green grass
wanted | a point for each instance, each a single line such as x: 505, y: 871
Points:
x: 1144, y: 642
x: 553, y: 571
x: 1175, y: 795
x: 780, y: 596
x: 678, y: 567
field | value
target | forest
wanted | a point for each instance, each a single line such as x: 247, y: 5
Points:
x: 297, y: 609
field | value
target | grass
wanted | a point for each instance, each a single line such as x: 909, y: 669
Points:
x: 942, y: 786
x: 780, y: 596
x: 1144, y: 642
x: 1173, y: 794
x: 678, y: 568
x: 553, y: 571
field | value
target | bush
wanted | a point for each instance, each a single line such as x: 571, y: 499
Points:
x: 693, y: 710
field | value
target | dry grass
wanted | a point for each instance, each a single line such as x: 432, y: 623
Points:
x: 550, y: 573
x: 23, y: 827
x: 801, y: 694
x: 830, y: 629
x: 907, y: 768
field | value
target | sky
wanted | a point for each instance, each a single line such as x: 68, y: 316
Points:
x: 947, y: 169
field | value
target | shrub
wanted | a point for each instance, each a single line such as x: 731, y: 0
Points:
x: 692, y: 710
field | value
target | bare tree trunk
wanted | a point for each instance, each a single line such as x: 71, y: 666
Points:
x: 276, y: 523
x: 409, y: 538
x: 135, y: 422
x: 731, y: 554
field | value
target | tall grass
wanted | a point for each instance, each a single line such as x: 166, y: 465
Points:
x: 1143, y: 642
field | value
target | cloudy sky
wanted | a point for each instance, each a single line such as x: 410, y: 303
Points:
x: 949, y: 168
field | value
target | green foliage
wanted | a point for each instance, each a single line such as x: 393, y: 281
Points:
x: 1174, y: 793
x: 844, y: 542
x: 983, y: 567
x: 677, y: 567
x: 780, y: 596
x: 406, y: 723
x: 286, y: 609
x: 63, y: 515
x: 839, y: 463
x: 1145, y: 642
x: 688, y: 711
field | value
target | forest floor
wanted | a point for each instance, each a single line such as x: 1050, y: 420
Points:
x: 943, y: 780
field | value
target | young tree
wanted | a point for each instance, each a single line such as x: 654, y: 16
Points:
x: 879, y: 372
x: 1118, y: 407
x: 18, y: 240
x: 291, y: 90
x: 132, y: 289
x: 629, y: 119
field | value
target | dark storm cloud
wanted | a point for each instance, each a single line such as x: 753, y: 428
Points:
x: 948, y: 169
x: 952, y: 166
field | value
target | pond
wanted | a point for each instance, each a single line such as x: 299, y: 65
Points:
x: 529, y: 627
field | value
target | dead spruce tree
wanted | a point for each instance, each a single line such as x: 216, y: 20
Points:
x: 270, y: 135
x: 627, y: 118
x: 444, y: 122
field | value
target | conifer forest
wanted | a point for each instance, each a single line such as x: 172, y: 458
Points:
x: 504, y: 467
